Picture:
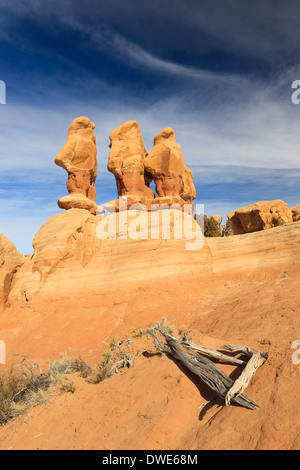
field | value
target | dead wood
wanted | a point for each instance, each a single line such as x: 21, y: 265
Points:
x: 213, y: 353
x: 257, y: 360
x: 200, y: 365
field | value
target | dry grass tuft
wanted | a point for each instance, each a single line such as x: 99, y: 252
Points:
x: 25, y: 385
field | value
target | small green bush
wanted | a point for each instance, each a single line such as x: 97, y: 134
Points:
x: 209, y: 225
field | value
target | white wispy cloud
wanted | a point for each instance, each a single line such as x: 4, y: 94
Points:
x: 127, y: 51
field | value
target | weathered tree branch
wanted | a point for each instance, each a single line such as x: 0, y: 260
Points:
x: 212, y: 353
x: 258, y: 359
x: 240, y: 349
x: 204, y: 368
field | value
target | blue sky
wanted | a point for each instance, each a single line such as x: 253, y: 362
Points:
x: 219, y: 72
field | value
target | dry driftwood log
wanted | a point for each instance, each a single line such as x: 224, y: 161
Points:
x: 212, y: 353
x: 257, y: 359
x: 204, y: 368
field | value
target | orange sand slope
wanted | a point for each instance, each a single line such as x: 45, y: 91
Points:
x: 78, y: 292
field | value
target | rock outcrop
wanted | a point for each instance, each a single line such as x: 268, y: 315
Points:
x: 260, y: 216
x: 79, y: 158
x: 73, y: 250
x: 10, y: 260
x: 296, y: 212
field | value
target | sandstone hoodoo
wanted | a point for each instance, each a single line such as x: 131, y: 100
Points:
x: 134, y: 169
x: 126, y: 162
x: 79, y: 158
x: 260, y: 216
x: 165, y: 164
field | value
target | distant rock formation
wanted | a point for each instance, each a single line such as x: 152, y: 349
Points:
x: 79, y: 158
x: 296, y: 212
x: 260, y: 216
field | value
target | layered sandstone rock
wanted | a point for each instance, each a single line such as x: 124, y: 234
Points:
x: 260, y: 216
x: 126, y: 162
x: 79, y: 158
x: 64, y: 237
x: 296, y: 212
x: 10, y: 260
x: 76, y: 252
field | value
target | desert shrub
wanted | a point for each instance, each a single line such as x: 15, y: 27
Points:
x: 211, y: 227
x: 102, y: 370
x: 182, y: 330
x: 112, y: 361
x: 138, y: 332
x: 112, y: 344
x: 228, y: 230
x: 169, y: 329
x: 68, y: 387
x: 279, y: 221
x: 25, y: 385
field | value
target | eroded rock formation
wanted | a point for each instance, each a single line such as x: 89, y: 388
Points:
x: 135, y: 169
x: 295, y: 212
x: 166, y: 165
x: 189, y: 191
x: 126, y: 162
x: 260, y: 216
x: 79, y: 158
